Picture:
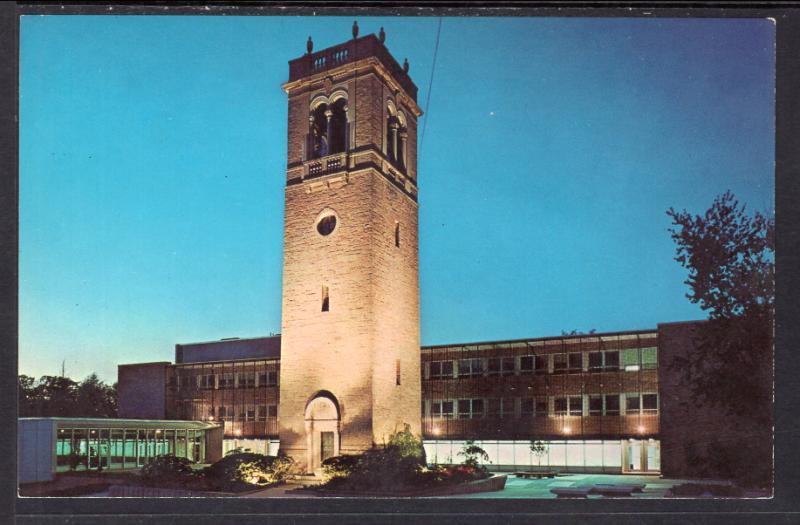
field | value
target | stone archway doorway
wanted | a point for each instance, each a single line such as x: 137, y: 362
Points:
x: 322, y: 430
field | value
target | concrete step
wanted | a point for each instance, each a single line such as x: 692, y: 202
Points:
x: 305, y: 479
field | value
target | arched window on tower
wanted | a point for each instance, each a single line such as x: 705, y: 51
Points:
x: 396, y: 136
x: 328, y: 129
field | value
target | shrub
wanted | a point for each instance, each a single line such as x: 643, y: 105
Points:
x: 340, y: 466
x: 472, y: 453
x: 246, y: 470
x: 169, y: 469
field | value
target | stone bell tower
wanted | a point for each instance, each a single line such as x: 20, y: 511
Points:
x: 350, y: 348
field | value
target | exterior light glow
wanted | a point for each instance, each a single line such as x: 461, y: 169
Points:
x: 237, y: 432
x: 436, y: 431
x: 641, y: 429
x: 567, y: 430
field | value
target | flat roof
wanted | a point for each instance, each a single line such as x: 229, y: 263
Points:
x: 101, y: 422
x: 596, y: 335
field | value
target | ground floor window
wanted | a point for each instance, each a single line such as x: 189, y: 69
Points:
x: 611, y: 456
x: 118, y: 448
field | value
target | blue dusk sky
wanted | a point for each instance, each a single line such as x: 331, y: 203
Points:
x: 153, y: 154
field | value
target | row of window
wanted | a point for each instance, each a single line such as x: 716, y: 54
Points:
x: 246, y: 413
x: 633, y: 403
x: 629, y: 360
x: 229, y: 380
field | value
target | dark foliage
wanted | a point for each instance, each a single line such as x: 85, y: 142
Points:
x: 340, y: 466
x: 397, y: 466
x: 56, y: 396
x: 730, y: 258
x: 247, y: 471
x: 168, y: 469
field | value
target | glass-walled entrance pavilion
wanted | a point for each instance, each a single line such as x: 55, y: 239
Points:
x: 51, y: 445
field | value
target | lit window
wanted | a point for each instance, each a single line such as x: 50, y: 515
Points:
x: 649, y: 358
x: 630, y: 359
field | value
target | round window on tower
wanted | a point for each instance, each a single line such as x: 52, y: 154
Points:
x: 326, y: 223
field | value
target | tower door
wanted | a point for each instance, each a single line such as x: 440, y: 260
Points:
x: 326, y: 439
x: 322, y: 432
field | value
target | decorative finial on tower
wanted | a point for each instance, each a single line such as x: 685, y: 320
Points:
x: 382, y: 36
x: 355, y: 29
x: 405, y: 65
x: 310, y: 45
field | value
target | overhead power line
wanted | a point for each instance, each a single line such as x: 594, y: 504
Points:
x: 430, y: 86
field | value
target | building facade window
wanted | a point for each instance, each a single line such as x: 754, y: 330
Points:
x: 542, y: 365
x: 247, y: 379
x: 603, y: 360
x: 470, y: 367
x: 501, y: 366
x: 575, y: 405
x: 559, y: 363
x: 268, y: 378
x: 650, y: 403
x: 441, y: 369
x: 526, y: 364
x: 397, y: 372
x: 527, y: 407
x: 575, y: 362
x: 225, y: 380
x: 442, y: 409
x: 541, y: 407
x: 632, y: 403
x: 470, y: 408
x: 326, y: 301
x: 611, y: 404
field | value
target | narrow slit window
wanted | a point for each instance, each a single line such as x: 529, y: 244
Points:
x: 397, y: 234
x: 397, y: 372
x: 326, y: 302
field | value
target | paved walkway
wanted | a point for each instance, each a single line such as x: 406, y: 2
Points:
x: 655, y: 487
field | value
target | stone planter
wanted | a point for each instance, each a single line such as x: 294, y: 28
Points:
x: 490, y: 484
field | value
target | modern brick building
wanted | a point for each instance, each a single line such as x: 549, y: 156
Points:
x: 348, y: 370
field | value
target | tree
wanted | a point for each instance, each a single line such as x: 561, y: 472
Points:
x: 730, y: 256
x: 57, y: 396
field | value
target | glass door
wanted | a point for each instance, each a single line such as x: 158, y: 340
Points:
x: 633, y: 456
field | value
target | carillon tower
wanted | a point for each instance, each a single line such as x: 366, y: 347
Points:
x: 350, y: 347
